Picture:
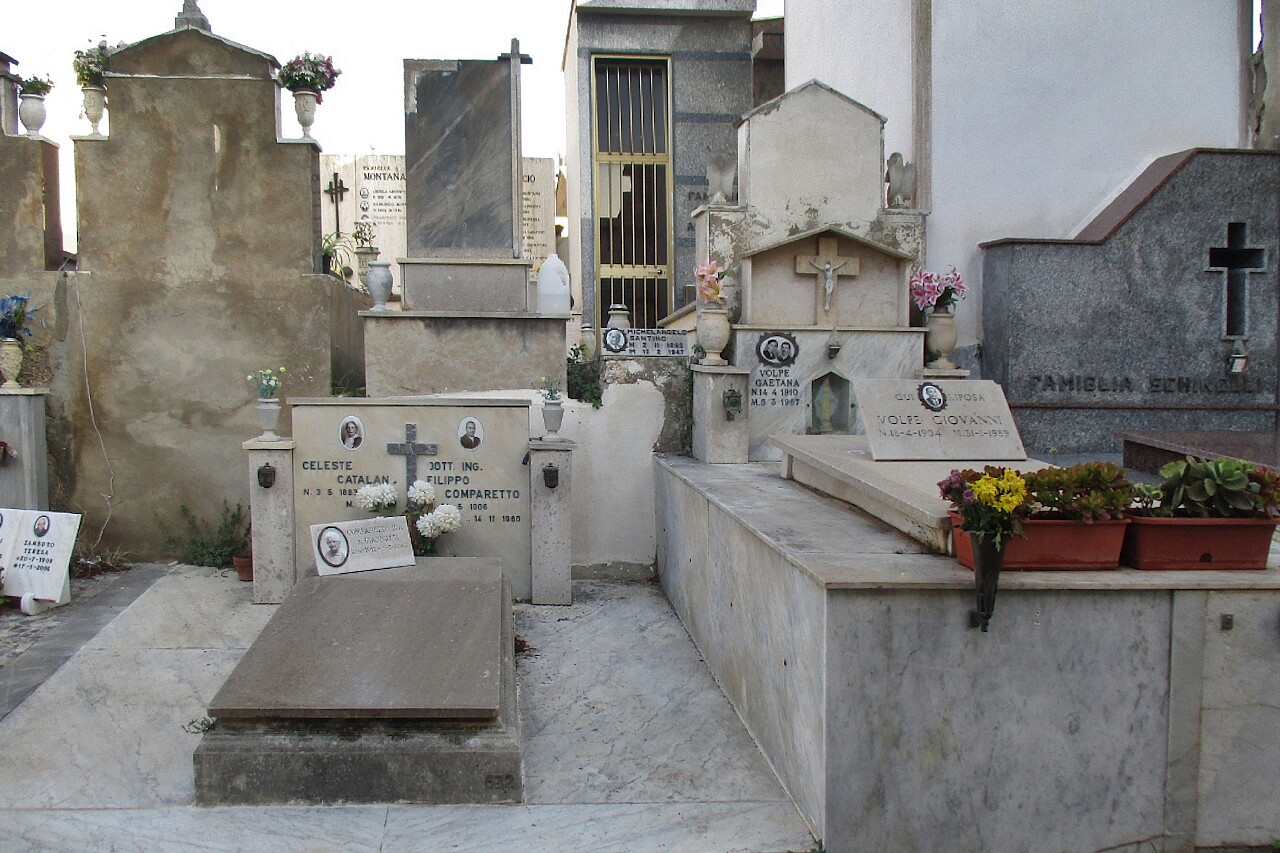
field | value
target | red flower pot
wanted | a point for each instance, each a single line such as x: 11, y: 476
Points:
x: 243, y: 564
x: 1054, y: 544
x: 1198, y: 543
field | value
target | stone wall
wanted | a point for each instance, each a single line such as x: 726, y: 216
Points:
x: 199, y: 256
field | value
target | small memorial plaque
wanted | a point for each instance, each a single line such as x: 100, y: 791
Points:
x: 360, y: 546
x: 646, y: 342
x: 942, y: 420
x: 35, y: 551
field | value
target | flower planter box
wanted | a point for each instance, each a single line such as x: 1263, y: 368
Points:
x: 1198, y: 543
x: 1054, y: 545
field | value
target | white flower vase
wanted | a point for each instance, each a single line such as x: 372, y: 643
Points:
x: 95, y: 105
x: 268, y: 417
x: 379, y: 283
x: 940, y: 339
x: 552, y: 418
x: 304, y: 106
x: 32, y: 113
x: 713, y: 334
x: 10, y: 361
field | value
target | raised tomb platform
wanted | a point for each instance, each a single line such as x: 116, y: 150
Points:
x: 392, y: 686
x: 1103, y: 706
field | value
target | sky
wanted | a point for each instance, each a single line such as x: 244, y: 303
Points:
x: 368, y: 40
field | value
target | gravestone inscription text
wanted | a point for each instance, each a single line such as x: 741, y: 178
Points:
x: 953, y: 419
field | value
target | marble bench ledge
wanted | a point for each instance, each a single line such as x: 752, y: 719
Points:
x: 841, y: 547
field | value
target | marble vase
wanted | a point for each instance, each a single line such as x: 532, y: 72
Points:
x: 95, y: 106
x: 10, y: 361
x: 940, y: 339
x: 713, y: 334
x: 379, y: 283
x: 268, y: 417
x: 32, y: 113
x: 552, y: 418
x: 304, y: 106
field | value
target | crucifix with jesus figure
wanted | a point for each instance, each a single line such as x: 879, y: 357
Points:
x: 826, y: 267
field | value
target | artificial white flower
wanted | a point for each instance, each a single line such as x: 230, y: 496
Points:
x: 445, y: 518
x: 421, y: 493
x: 377, y: 497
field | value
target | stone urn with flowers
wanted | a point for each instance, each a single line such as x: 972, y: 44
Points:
x: 31, y: 111
x: 15, y: 312
x: 552, y: 409
x: 267, y: 384
x: 308, y: 76
x: 91, y: 69
x: 937, y: 295
x: 713, y: 317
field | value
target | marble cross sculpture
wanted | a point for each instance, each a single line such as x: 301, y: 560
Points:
x: 827, y: 265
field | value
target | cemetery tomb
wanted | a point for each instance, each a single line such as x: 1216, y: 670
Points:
x: 382, y: 686
x: 471, y: 451
x: 1159, y: 315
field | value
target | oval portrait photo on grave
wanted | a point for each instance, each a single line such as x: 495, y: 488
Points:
x: 777, y: 349
x: 615, y: 340
x: 41, y: 527
x: 351, y: 432
x: 931, y: 397
x: 470, y: 433
x: 333, y: 547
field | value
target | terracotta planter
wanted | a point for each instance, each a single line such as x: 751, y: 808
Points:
x: 1055, y: 545
x: 1198, y: 543
x: 243, y: 565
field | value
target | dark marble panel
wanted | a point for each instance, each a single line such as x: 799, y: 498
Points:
x: 1130, y: 330
x: 459, y: 152
x: 394, y: 644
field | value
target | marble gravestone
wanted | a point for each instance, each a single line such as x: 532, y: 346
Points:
x: 937, y: 419
x: 818, y: 263
x: 1160, y: 315
x: 35, y: 553
x: 471, y: 451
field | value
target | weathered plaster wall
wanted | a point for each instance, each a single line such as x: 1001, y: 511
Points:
x: 198, y: 255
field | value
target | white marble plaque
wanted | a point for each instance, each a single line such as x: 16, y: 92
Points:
x: 343, y: 547
x: 470, y: 450
x: 538, y: 210
x: 35, y: 551
x: 375, y: 185
x: 646, y: 342
x: 937, y: 419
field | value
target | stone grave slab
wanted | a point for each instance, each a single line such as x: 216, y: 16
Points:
x: 1148, y: 450
x: 344, y: 443
x: 386, y: 686
x: 902, y: 494
x: 344, y: 547
x: 937, y: 419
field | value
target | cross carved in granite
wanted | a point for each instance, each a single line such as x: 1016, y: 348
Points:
x: 410, y: 449
x: 1237, y: 260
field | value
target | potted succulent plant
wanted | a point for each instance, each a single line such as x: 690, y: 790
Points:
x: 307, y: 76
x: 1206, y: 514
x: 31, y: 92
x: 1075, y: 519
x: 91, y: 69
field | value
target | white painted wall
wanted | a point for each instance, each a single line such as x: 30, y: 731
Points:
x: 1042, y: 110
x: 861, y: 48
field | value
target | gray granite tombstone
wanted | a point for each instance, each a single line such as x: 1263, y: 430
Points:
x: 1160, y: 314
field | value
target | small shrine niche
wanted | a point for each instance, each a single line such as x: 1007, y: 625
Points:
x: 828, y: 405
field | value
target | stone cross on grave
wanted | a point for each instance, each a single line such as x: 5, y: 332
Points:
x: 335, y: 191
x: 1237, y: 261
x: 410, y: 449
x: 827, y: 266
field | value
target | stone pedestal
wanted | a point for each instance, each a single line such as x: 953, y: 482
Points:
x: 24, y: 468
x: 471, y: 284
x: 552, y: 512
x: 719, y: 437
x: 271, y: 512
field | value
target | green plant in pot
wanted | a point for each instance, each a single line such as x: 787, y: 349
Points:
x: 1205, y: 514
x: 15, y: 314
x: 91, y: 75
